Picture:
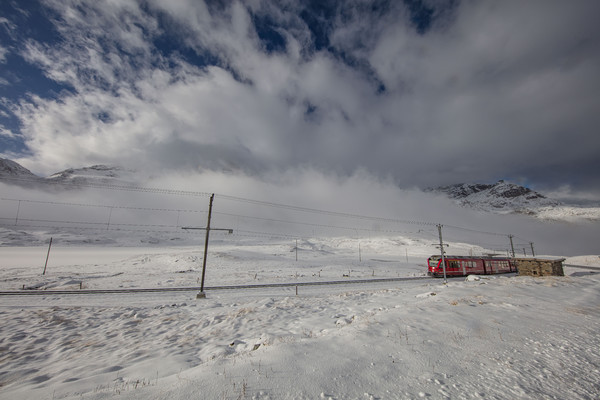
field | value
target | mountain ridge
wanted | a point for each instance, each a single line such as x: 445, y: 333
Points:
x: 501, y: 195
x: 509, y: 198
x: 104, y: 174
x: 498, y: 198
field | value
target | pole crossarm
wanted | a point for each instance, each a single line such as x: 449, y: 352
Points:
x: 204, y: 229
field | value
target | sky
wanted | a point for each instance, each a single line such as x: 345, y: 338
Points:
x: 418, y: 92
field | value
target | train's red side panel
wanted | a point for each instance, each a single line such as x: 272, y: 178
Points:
x: 465, y: 265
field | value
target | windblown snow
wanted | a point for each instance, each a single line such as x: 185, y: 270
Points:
x: 495, y: 337
x: 397, y: 334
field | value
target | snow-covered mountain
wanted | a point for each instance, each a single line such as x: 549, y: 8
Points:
x: 507, y: 198
x: 93, y: 175
x: 13, y: 173
x: 10, y: 169
x: 500, y: 197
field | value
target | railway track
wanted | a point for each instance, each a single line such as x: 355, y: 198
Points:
x: 583, y: 267
x: 37, y: 292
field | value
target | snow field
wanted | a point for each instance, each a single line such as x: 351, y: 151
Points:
x: 496, y: 337
x: 242, y: 262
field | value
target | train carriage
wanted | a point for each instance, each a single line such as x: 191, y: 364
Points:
x: 467, y: 265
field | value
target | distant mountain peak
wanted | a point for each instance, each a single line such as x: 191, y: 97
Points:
x: 16, y: 174
x: 95, y: 171
x: 499, y: 197
x: 9, y: 168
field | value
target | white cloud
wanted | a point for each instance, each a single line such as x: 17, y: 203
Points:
x: 477, y: 97
x: 3, y: 52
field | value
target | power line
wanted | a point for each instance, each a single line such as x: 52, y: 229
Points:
x: 325, y: 212
x: 474, y: 230
x: 349, y: 228
x: 98, y: 226
x: 66, y: 222
x: 112, y: 187
x: 236, y: 199
x: 102, y: 206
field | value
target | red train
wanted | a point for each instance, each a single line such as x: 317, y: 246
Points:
x: 465, y: 265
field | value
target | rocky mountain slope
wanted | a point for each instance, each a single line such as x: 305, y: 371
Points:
x: 11, y: 169
x: 507, y: 198
x: 500, y: 198
x: 13, y: 173
x: 92, y: 175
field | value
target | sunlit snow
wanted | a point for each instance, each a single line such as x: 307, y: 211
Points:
x: 493, y: 337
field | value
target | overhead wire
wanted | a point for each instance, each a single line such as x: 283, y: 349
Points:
x: 241, y: 200
x: 309, y: 223
x: 319, y: 211
x: 103, y: 206
x: 111, y: 187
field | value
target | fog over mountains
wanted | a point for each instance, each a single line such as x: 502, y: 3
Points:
x: 497, y: 198
x: 501, y: 197
x: 507, y: 198
x: 13, y: 173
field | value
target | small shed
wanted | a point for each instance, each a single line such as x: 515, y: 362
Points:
x: 540, y: 266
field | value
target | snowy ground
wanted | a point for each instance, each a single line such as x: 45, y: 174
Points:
x: 496, y: 337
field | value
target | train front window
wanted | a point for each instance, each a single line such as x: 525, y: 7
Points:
x: 433, y: 262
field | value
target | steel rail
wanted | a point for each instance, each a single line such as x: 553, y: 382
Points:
x: 583, y: 267
x: 37, y: 292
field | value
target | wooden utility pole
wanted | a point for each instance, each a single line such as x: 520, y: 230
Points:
x: 18, y: 209
x: 202, y: 295
x: 512, y: 247
x: 442, y: 251
x: 47, y: 256
x: 359, y: 253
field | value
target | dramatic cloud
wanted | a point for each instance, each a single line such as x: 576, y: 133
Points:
x: 421, y: 92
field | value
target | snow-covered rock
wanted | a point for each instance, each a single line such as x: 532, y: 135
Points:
x: 14, y: 172
x: 506, y: 198
x: 92, y: 175
x: 499, y: 197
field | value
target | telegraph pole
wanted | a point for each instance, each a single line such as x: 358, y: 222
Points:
x: 47, y: 256
x: 442, y: 251
x: 512, y: 247
x: 202, y: 295
x: 359, y: 253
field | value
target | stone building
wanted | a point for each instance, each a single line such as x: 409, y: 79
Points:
x: 540, y: 266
